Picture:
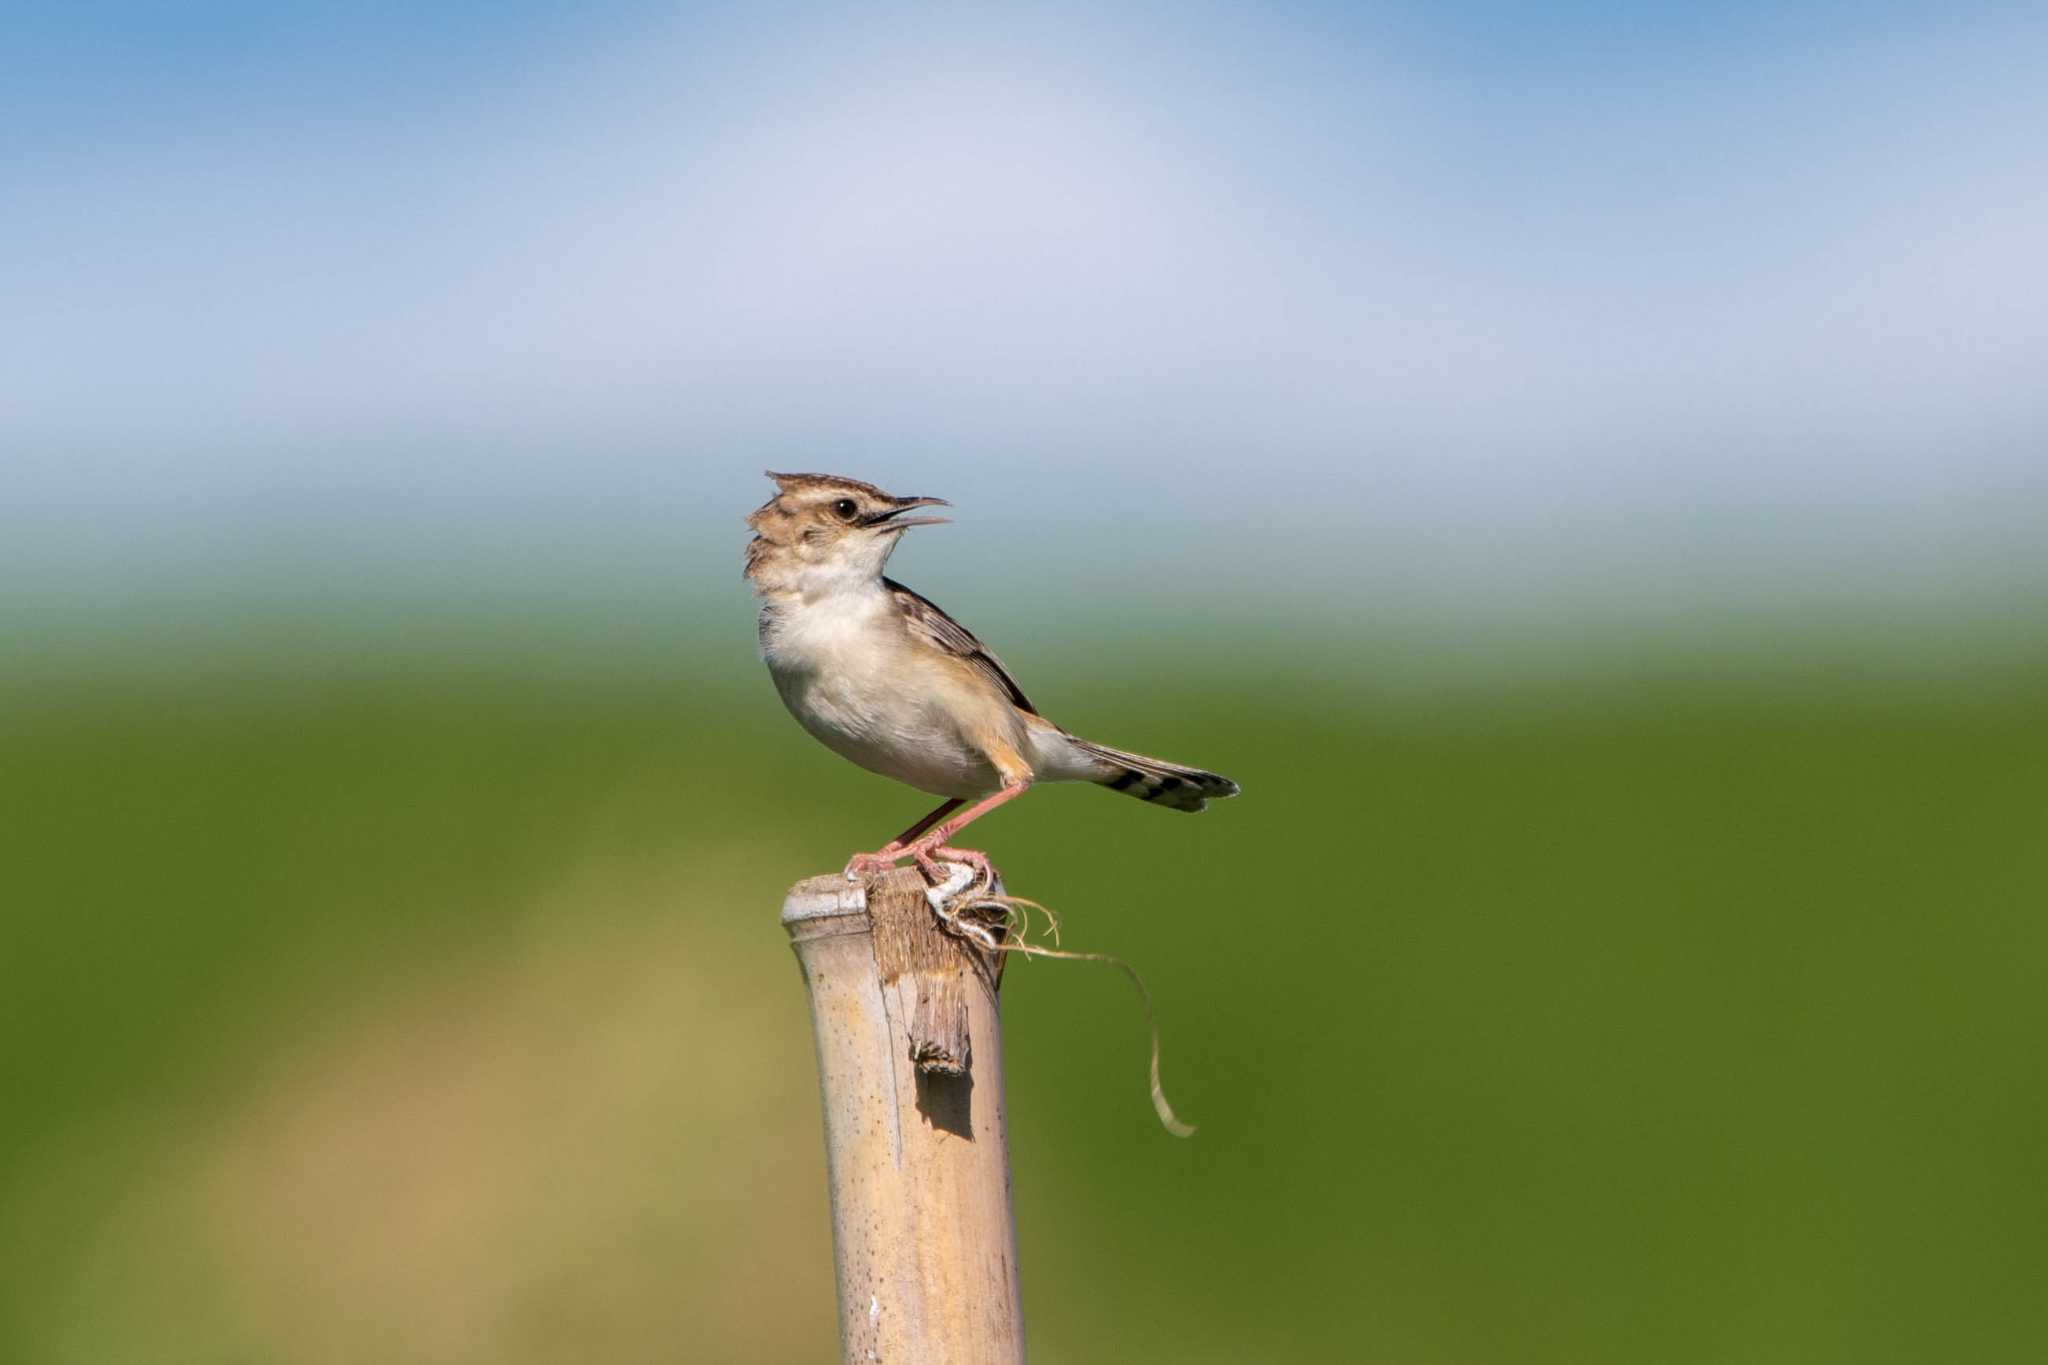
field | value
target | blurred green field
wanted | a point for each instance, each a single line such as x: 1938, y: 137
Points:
x: 428, y: 1004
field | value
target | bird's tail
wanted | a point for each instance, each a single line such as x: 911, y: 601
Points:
x: 1154, y: 779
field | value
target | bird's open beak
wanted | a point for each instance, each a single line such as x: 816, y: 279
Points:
x: 894, y: 520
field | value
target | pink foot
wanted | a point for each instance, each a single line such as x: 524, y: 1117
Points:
x: 867, y: 864
x: 928, y: 860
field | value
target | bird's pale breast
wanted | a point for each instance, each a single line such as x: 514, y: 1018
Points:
x: 851, y: 676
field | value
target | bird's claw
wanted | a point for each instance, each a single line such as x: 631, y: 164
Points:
x: 948, y: 872
x: 867, y: 864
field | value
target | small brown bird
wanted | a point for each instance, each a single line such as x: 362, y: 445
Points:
x: 881, y: 676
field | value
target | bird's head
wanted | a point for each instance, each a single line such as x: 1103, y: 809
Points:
x: 824, y: 530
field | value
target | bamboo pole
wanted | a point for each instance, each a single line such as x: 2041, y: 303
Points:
x: 911, y: 1071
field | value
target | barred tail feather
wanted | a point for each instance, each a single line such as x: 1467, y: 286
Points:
x: 1154, y: 779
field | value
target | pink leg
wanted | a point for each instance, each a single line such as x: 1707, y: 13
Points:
x: 861, y: 863
x: 935, y: 841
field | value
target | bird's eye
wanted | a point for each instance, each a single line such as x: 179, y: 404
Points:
x: 844, y: 509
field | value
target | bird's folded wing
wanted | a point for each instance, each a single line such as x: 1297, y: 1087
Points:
x: 929, y: 623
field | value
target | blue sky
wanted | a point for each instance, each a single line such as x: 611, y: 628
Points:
x: 1445, y: 301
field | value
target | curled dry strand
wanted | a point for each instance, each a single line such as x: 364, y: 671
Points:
x: 1002, y: 924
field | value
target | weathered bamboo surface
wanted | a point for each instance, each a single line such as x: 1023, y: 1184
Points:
x: 910, y: 1067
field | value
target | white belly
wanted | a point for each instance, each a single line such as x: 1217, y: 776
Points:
x: 856, y: 684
